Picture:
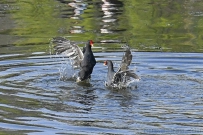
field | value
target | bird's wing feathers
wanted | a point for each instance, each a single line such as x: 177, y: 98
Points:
x: 123, y: 70
x: 69, y: 49
x: 126, y: 60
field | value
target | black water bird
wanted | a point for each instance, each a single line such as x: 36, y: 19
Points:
x: 82, y: 59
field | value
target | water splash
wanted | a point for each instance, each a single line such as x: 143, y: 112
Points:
x: 66, y: 69
x: 124, y: 83
x: 132, y: 84
x: 67, y: 72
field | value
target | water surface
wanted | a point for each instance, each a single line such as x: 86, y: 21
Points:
x: 38, y: 97
x: 168, y: 98
x: 170, y: 26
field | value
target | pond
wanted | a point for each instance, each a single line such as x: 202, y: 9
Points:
x: 165, y: 37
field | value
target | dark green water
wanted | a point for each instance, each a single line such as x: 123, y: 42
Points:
x: 161, y: 25
x: 166, y: 39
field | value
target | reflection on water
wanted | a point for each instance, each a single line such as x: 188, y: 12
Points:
x: 38, y: 97
x: 147, y: 26
x: 110, y: 13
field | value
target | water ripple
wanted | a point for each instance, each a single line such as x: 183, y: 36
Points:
x: 35, y: 100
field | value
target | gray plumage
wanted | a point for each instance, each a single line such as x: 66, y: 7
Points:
x: 123, y: 74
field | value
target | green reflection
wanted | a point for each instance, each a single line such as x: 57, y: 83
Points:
x: 161, y: 25
x: 165, y: 24
x: 35, y: 22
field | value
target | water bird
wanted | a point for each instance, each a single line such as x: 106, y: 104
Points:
x: 121, y: 77
x: 82, y: 59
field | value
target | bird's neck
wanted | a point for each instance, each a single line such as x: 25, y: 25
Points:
x: 88, y: 48
x: 110, y: 68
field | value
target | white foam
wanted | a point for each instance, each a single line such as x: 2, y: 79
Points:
x: 67, y: 71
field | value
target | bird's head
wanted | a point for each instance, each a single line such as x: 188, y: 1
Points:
x: 108, y: 63
x: 91, y: 43
x: 105, y: 63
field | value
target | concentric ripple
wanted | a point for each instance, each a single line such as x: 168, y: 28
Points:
x: 35, y: 100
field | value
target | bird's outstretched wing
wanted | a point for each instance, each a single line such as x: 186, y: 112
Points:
x: 126, y: 60
x: 69, y: 49
x: 123, y: 73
